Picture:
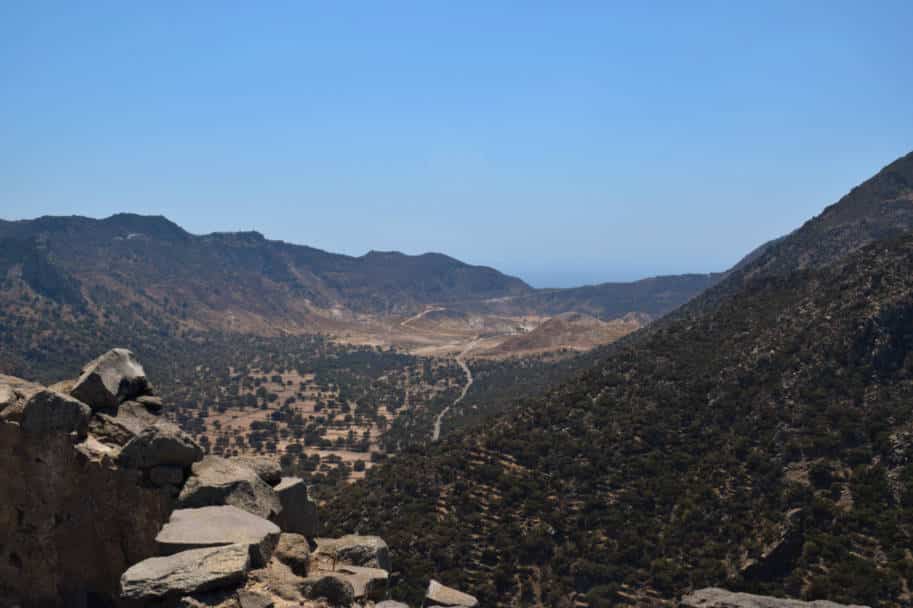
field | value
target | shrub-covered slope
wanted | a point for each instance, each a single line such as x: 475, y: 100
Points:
x: 766, y: 445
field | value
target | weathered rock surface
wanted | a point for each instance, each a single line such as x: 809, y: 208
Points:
x: 252, y: 599
x: 293, y: 551
x: 390, y: 604
x: 69, y: 524
x: 213, y: 526
x: 334, y: 589
x: 369, y: 551
x: 48, y: 411
x: 219, y: 481
x: 720, y: 598
x: 280, y: 580
x: 187, y: 572
x: 160, y: 444
x: 298, y: 513
x: 14, y: 392
x: 445, y: 596
x: 267, y: 468
x: 132, y: 419
x: 370, y: 583
x: 111, y: 379
x: 225, y: 598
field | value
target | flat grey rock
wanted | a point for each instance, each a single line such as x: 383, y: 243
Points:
x: 185, y: 573
x: 219, y: 481
x: 391, y: 604
x: 447, y: 596
x: 111, y: 379
x: 48, y: 411
x: 369, y: 551
x: 299, y: 512
x: 713, y: 597
x: 214, y: 526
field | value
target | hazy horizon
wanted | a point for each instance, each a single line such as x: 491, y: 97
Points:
x: 562, y: 145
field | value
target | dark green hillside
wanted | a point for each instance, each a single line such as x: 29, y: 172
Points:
x: 764, y: 446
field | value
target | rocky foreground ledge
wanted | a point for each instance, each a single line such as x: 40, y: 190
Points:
x: 104, y: 503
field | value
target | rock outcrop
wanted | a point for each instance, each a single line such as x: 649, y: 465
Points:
x: 71, y: 519
x: 111, y: 379
x: 720, y: 598
x: 220, y: 481
x: 88, y: 516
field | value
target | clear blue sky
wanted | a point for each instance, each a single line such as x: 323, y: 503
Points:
x: 565, y: 142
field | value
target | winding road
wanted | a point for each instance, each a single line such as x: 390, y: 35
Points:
x: 406, y: 322
x: 459, y: 359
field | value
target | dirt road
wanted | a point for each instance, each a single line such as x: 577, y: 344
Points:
x: 461, y: 360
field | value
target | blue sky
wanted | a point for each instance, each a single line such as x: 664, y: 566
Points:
x: 564, y: 142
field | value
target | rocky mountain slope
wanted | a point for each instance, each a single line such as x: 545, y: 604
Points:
x: 242, y: 281
x: 762, y: 446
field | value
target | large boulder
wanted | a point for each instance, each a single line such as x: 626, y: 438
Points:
x: 441, y: 595
x: 293, y: 551
x: 111, y: 379
x: 185, y: 573
x: 369, y: 551
x: 48, y: 411
x: 267, y: 468
x: 713, y: 597
x: 299, y: 512
x: 219, y: 481
x: 213, y: 526
x: 160, y: 444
